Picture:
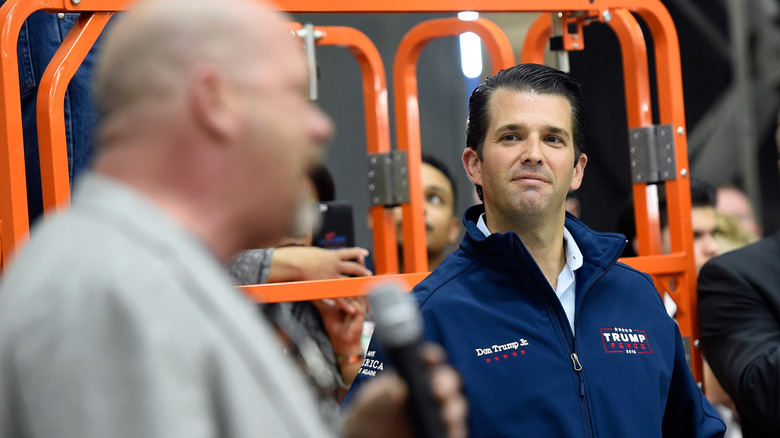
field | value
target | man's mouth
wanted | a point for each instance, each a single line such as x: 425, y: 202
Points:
x: 530, y: 178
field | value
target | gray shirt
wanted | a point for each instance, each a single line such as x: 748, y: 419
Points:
x: 116, y: 322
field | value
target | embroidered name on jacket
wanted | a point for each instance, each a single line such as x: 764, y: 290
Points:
x: 497, y: 352
x: 625, y: 340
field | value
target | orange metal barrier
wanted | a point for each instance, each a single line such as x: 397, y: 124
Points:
x: 407, y: 115
x: 52, y: 147
x: 678, y: 266
x: 13, y: 191
x: 319, y: 289
x: 377, y: 128
x: 51, y: 131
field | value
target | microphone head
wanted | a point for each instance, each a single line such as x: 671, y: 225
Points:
x: 396, y: 315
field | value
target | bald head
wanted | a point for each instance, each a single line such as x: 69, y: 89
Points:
x: 149, y: 52
x: 203, y: 109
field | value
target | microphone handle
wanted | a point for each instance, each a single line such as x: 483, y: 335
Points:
x: 423, y: 407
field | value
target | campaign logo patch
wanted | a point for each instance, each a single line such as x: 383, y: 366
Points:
x: 625, y: 340
x: 504, y: 351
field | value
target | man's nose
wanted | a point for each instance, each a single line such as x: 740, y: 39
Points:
x: 532, y: 149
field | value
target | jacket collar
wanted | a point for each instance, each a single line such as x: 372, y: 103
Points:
x: 600, y: 250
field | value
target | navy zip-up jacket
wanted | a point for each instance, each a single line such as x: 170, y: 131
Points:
x: 524, y: 372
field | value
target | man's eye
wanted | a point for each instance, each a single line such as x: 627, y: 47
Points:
x: 435, y: 199
x: 554, y: 140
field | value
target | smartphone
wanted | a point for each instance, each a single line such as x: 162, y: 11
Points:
x: 336, y: 228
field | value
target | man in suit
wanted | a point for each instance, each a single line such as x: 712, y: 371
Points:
x: 142, y: 334
x: 739, y: 320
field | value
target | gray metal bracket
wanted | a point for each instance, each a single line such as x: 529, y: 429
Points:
x: 309, y: 37
x: 652, y: 154
x: 388, y: 178
x: 687, y: 349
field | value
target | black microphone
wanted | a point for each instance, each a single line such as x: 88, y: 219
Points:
x: 399, y: 330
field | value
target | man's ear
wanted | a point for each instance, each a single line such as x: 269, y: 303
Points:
x: 579, y: 172
x: 473, y: 165
x: 209, y: 99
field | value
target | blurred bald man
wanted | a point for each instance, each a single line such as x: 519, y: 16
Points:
x: 117, y: 320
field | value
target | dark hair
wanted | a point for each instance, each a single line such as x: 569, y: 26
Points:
x: 524, y: 78
x: 703, y: 194
x: 323, y: 183
x: 441, y: 167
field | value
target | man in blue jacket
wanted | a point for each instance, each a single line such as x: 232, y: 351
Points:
x: 552, y: 336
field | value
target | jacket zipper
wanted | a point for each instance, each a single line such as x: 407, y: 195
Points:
x: 573, y: 356
x: 563, y: 325
x: 575, y: 360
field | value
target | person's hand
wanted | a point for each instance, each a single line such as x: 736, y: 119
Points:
x: 343, y: 320
x: 295, y: 263
x: 379, y: 408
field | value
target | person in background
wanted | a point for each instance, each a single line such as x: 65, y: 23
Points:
x: 441, y: 224
x: 739, y: 308
x: 143, y: 334
x: 334, y: 325
x: 553, y: 336
x: 703, y: 221
x: 293, y: 258
x: 734, y: 202
x: 731, y: 234
x: 706, y: 224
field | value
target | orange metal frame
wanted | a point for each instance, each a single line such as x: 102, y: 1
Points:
x: 377, y: 122
x: 50, y: 111
x: 95, y: 13
x: 679, y: 265
x: 407, y: 116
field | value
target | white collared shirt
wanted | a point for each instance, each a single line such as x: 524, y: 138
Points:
x: 565, y: 289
